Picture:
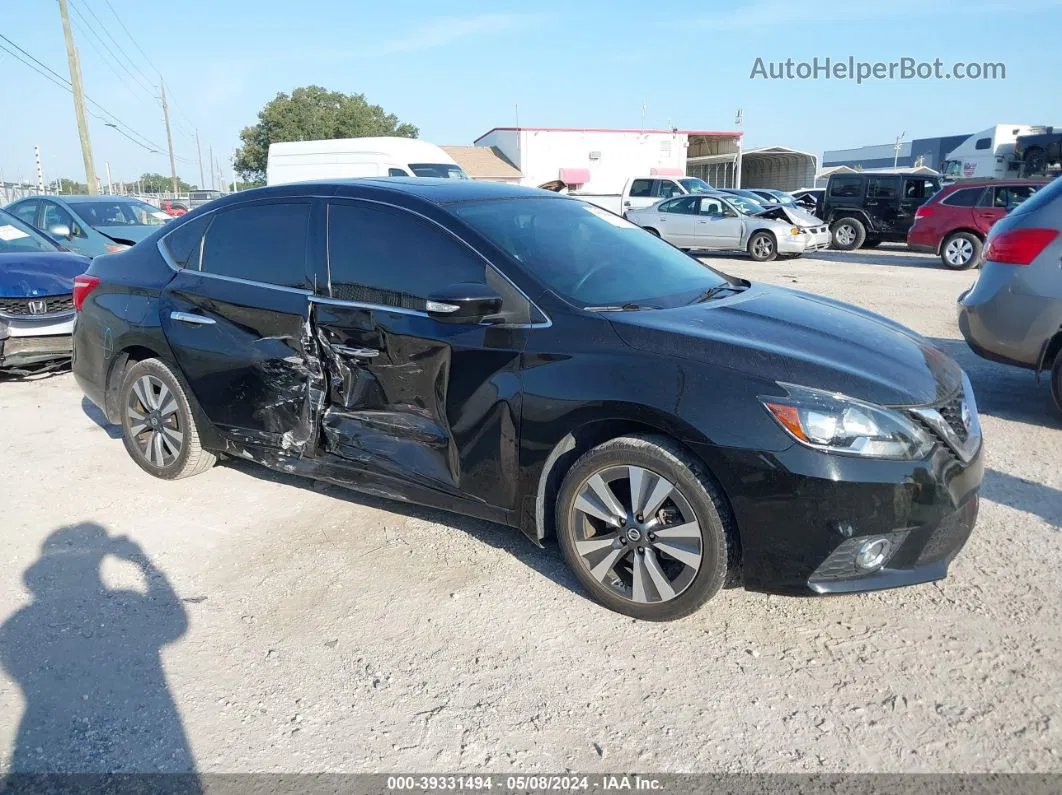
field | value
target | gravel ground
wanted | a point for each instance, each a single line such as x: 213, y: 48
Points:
x: 307, y: 628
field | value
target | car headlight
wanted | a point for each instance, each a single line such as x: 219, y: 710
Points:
x: 838, y: 424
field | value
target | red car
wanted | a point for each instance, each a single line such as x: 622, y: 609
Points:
x: 955, y: 222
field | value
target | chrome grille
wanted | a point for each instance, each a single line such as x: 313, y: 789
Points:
x: 52, y: 304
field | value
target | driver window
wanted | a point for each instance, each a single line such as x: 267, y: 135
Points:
x: 712, y: 207
x: 54, y: 215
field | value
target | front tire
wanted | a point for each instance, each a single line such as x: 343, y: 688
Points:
x: 848, y: 234
x: 644, y: 528
x: 1056, y: 382
x: 158, y: 428
x: 763, y: 247
x: 961, y: 251
x: 651, y: 231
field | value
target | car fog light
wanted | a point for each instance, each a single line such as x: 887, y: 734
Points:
x: 872, y: 554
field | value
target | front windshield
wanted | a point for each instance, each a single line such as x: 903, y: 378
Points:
x: 124, y: 212
x: 952, y: 169
x: 17, y: 237
x: 442, y: 170
x: 783, y: 198
x: 589, y: 256
x: 695, y: 185
x: 745, y: 204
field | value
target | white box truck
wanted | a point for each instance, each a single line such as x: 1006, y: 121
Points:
x: 346, y: 158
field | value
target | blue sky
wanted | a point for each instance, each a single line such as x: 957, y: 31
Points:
x: 458, y: 69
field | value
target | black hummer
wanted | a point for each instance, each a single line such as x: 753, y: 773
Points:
x: 871, y: 207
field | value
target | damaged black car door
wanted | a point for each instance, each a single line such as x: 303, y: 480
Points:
x: 237, y: 317
x: 416, y: 396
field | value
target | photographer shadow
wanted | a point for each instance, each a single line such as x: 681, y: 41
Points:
x: 87, y: 660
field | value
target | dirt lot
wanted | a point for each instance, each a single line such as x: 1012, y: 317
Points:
x: 313, y: 629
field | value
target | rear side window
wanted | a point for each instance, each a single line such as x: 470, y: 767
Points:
x: 1039, y: 200
x: 379, y: 255
x: 919, y: 188
x: 967, y: 197
x: 845, y: 187
x: 665, y: 189
x: 683, y: 206
x: 642, y: 188
x: 27, y: 211
x: 183, y: 244
x: 881, y: 188
x: 261, y: 243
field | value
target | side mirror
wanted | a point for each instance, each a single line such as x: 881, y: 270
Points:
x: 60, y: 230
x: 464, y: 303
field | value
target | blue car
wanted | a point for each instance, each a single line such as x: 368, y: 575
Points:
x: 36, y: 296
x: 91, y: 225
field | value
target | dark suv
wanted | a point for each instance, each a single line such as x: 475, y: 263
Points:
x: 869, y: 208
x: 535, y: 360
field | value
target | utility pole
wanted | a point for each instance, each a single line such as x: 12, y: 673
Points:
x: 213, y: 185
x: 169, y: 135
x: 40, y: 171
x: 110, y: 185
x: 78, y: 91
x: 199, y: 152
x: 896, y: 149
x: 739, y: 120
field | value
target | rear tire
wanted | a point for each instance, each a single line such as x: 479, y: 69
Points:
x: 158, y: 428
x: 763, y: 247
x: 848, y: 234
x: 961, y: 251
x: 656, y: 566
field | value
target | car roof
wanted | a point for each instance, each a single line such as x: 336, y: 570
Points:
x: 984, y: 183
x: 429, y: 189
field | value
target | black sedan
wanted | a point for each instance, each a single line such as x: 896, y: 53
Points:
x: 534, y: 360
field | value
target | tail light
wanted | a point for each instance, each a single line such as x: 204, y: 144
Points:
x: 924, y: 211
x: 83, y: 285
x: 1019, y: 246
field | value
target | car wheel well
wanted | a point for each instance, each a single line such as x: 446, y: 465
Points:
x: 584, y: 438
x: 1052, y: 351
x: 944, y: 240
x: 121, y: 362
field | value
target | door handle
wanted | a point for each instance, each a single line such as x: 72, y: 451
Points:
x: 194, y: 320
x: 356, y: 353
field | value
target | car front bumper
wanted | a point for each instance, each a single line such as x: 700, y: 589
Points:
x: 25, y: 341
x: 803, y: 515
x: 805, y: 242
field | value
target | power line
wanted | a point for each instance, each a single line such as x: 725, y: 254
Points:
x: 96, y: 35
x: 65, y: 84
x: 115, y: 72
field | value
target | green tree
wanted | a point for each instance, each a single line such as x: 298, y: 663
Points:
x: 157, y: 183
x: 70, y: 186
x: 312, y: 113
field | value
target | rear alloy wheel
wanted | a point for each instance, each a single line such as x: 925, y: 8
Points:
x: 848, y: 234
x: 157, y: 424
x: 643, y: 528
x: 762, y: 247
x: 960, y: 251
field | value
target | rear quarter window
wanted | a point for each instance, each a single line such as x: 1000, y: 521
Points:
x: 845, y: 187
x: 1041, y: 199
x: 967, y: 197
x: 184, y: 243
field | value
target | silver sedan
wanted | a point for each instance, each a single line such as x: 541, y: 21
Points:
x: 721, y: 222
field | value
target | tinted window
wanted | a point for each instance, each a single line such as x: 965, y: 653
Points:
x: 845, y: 187
x: 379, y: 255
x: 121, y: 213
x: 882, y: 188
x: 641, y: 188
x: 685, y: 206
x: 666, y: 188
x: 588, y: 255
x: 396, y: 172
x: 439, y: 170
x: 259, y: 242
x: 919, y: 188
x: 967, y: 197
x: 183, y: 243
x: 27, y: 211
x: 983, y: 143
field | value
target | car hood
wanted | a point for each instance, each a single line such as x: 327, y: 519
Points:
x: 782, y: 335
x: 134, y: 233
x: 45, y: 273
x: 790, y: 215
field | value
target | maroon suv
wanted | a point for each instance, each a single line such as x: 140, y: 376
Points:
x: 955, y: 222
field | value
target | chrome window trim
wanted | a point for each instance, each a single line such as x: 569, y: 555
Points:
x: 321, y: 299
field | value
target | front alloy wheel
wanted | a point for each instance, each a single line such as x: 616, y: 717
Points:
x: 644, y: 527
x: 644, y: 545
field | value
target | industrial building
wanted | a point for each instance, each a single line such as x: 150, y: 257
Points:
x: 929, y: 152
